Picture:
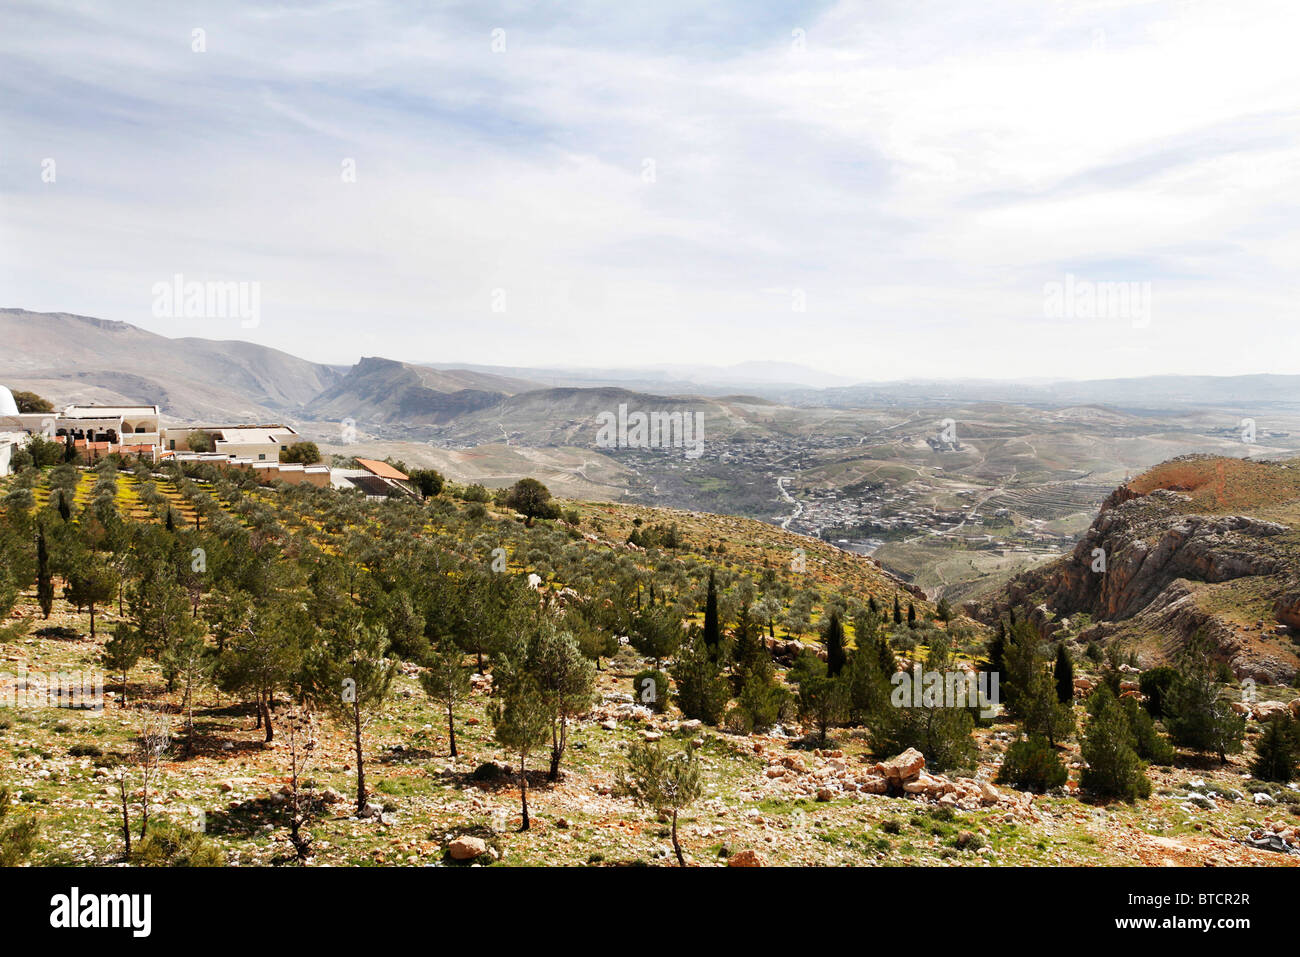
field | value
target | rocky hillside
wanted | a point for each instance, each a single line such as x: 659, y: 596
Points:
x: 1195, y: 543
x: 69, y: 358
x: 384, y: 391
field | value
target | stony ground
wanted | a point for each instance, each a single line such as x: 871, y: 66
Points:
x: 768, y: 798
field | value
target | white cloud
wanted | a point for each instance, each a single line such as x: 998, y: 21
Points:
x: 918, y: 171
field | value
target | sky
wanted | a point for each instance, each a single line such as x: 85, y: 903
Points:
x: 880, y: 190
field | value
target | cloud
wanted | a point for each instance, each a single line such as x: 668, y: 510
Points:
x: 653, y: 184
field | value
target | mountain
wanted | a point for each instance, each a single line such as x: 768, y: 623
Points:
x: 768, y: 379
x: 568, y: 416
x: 1143, y: 394
x: 69, y: 358
x: 1199, y: 543
x: 385, y: 391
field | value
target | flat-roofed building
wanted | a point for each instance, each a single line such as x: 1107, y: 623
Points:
x: 260, y: 443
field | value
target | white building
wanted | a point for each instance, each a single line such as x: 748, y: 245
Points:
x: 259, y: 443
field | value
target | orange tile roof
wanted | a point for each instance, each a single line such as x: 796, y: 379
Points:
x: 382, y: 469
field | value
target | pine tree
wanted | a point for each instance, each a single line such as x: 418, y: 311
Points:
x: 349, y: 675
x: 1042, y: 711
x: 1032, y: 764
x: 447, y: 681
x: 1064, y: 674
x: 1150, y: 745
x: 1276, y: 752
x: 702, y: 690
x: 521, y: 724
x: 121, y: 652
x: 566, y: 681
x: 666, y: 783
x: 833, y: 639
x: 1114, y: 769
x: 1197, y: 714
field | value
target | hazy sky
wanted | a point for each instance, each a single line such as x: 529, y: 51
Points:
x: 878, y: 189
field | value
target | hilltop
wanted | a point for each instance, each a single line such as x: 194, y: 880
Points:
x: 1195, y: 543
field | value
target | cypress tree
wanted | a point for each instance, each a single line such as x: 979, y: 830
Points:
x: 44, y: 580
x: 65, y: 510
x: 1064, y: 671
x: 712, y: 633
x: 996, y: 649
x: 911, y: 615
x: 898, y: 612
x: 833, y: 638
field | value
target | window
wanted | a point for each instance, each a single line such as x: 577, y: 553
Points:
x: 261, y: 455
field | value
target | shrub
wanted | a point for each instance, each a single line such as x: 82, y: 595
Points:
x: 650, y: 688
x: 1032, y: 764
x: 170, y: 845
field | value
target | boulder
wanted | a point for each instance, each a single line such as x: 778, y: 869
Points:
x: 466, y: 848
x: 1269, y: 709
x: 745, y: 858
x: 903, y: 767
x: 872, y: 784
x: 1295, y: 708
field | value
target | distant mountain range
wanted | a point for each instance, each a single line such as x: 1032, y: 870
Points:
x: 77, y: 358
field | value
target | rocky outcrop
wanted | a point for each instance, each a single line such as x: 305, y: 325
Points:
x: 1143, y: 562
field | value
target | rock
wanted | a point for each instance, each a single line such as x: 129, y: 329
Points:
x: 873, y: 785
x: 1262, y: 798
x: 491, y: 771
x: 826, y: 794
x: 1240, y: 707
x: 745, y: 858
x: 1294, y: 707
x: 1268, y: 709
x: 903, y: 767
x: 466, y: 848
x: 371, y: 811
x: 989, y: 794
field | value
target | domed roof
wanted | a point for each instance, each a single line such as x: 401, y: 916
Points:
x: 7, y: 404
